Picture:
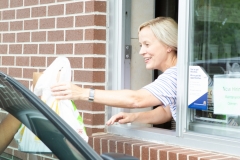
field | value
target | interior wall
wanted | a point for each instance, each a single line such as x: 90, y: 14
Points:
x: 142, y: 11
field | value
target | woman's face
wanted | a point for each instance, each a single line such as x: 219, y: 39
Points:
x: 153, y: 51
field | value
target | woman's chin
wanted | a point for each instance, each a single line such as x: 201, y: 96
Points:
x: 149, y: 67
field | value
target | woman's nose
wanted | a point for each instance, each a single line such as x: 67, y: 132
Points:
x: 141, y: 51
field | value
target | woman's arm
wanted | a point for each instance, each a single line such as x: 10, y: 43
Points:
x: 8, y: 128
x: 120, y: 98
x: 158, y: 115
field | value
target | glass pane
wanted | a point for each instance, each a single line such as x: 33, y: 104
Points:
x: 214, y: 69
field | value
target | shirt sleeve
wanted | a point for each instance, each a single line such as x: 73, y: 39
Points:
x: 164, y: 88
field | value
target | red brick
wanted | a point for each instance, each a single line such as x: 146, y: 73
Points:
x: 14, y: 3
x: 46, y: 1
x: 3, y: 26
x: 47, y: 23
x: 145, y: 150
x: 30, y: 49
x: 182, y: 154
x: 90, y: 141
x: 23, y: 37
x: 196, y: 156
x: 22, y: 61
x: 23, y: 13
x: 84, y: 105
x: 15, y: 49
x: 20, y: 154
x: 46, y: 48
x: 120, y: 144
x: 90, y: 48
x: 93, y: 119
x: 97, y: 145
x: 8, y: 60
x: 28, y: 72
x: 174, y: 155
x: 55, y: 36
x: 15, y: 72
x: 73, y: 8
x: 76, y: 62
x: 89, y: 76
x: 4, y: 4
x: 30, y: 2
x: 9, y: 37
x: 153, y: 153
x: 164, y: 152
x: 9, y: 14
x: 95, y: 34
x: 3, y: 49
x: 95, y: 6
x: 74, y: 35
x: 55, y: 10
x: 17, y: 25
x: 38, y: 61
x: 31, y: 24
x: 4, y: 70
x: 93, y: 130
x: 92, y: 62
x: 50, y: 60
x: 64, y: 48
x: 39, y: 36
x: 63, y: 0
x: 65, y: 22
x: 39, y: 11
x: 26, y: 83
x: 90, y: 20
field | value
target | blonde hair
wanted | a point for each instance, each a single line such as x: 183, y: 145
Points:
x: 165, y: 29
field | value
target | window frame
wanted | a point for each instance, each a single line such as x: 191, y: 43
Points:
x: 115, y: 81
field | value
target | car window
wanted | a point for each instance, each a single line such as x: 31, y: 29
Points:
x: 57, y: 135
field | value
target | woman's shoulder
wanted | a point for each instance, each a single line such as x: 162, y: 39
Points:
x: 171, y: 70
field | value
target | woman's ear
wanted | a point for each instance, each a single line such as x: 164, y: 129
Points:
x: 169, y: 49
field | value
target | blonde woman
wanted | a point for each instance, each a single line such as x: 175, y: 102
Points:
x: 158, y: 42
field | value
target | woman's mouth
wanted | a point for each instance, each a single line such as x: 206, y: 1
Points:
x: 146, y: 60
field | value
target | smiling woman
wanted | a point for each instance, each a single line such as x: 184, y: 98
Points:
x: 158, y: 41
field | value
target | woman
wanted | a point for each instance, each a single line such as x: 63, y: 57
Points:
x: 158, y: 42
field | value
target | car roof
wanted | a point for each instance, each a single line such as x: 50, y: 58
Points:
x: 57, y: 135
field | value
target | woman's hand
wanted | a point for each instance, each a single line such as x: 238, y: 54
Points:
x: 121, y: 118
x: 63, y: 91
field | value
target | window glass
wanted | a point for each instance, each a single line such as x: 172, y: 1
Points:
x: 214, y: 70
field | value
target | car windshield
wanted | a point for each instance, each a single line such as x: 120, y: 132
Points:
x: 55, y: 133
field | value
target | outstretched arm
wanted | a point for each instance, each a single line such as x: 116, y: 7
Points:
x: 117, y: 98
x: 8, y: 127
x: 158, y: 115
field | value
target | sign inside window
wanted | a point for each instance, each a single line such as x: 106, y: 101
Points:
x: 226, y: 94
x: 197, y: 88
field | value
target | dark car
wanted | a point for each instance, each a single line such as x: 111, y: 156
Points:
x: 52, y: 130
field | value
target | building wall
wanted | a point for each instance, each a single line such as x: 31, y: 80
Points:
x: 34, y: 32
x: 145, y: 150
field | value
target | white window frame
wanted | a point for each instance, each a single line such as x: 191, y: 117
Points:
x: 115, y: 81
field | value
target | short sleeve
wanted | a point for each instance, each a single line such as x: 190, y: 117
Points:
x: 164, y: 88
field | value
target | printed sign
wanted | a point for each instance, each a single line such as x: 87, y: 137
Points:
x: 197, y: 88
x: 226, y: 95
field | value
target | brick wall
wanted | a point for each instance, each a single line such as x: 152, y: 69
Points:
x: 144, y: 150
x: 34, y: 32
